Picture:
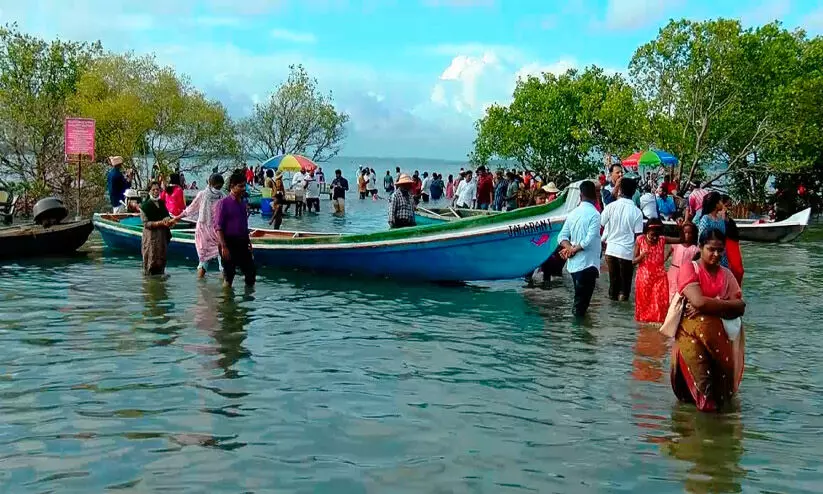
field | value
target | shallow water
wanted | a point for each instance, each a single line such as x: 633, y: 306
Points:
x: 342, y: 385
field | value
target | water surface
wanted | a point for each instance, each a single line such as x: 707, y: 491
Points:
x: 315, y: 383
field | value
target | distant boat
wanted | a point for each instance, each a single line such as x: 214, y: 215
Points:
x: 488, y: 247
x: 762, y: 231
x: 779, y: 231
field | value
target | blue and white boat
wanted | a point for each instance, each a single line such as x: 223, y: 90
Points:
x: 494, y: 247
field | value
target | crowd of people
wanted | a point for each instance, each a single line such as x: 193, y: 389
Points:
x: 698, y: 301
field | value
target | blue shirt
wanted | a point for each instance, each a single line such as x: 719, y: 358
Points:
x: 116, y: 184
x: 666, y: 206
x: 582, y: 227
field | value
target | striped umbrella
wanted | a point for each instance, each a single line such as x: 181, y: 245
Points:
x: 290, y: 163
x: 652, y: 157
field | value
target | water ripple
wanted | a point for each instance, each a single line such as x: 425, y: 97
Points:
x: 322, y: 384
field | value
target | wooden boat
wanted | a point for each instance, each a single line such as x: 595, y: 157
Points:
x: 490, y: 247
x: 779, y: 231
x: 33, y: 240
x: 762, y: 231
x: 431, y: 216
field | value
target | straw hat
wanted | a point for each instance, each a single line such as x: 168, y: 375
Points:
x: 116, y: 160
x: 551, y: 188
x: 404, y: 179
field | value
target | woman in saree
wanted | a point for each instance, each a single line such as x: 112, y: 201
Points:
x: 707, y: 357
x: 205, y: 236
x: 156, y: 231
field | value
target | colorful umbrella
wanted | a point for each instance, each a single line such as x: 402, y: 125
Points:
x: 652, y: 157
x: 290, y: 163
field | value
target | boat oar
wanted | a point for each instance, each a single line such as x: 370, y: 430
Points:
x: 428, y: 211
x: 456, y: 215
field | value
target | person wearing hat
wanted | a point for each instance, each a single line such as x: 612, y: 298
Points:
x: 552, y: 191
x: 401, y: 207
x: 117, y: 183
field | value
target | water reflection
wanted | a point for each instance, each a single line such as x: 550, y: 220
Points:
x: 649, y: 354
x: 712, y: 443
x: 229, y: 337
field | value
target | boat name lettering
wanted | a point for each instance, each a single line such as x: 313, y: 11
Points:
x: 529, y: 229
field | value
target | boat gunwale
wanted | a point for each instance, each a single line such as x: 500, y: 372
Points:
x: 464, y: 228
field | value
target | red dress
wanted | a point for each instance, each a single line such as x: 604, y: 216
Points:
x: 651, y: 299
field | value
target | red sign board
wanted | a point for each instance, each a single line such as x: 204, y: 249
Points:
x: 79, y: 137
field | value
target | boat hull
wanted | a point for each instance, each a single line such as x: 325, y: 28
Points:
x: 35, y: 241
x: 504, y: 251
x: 784, y: 231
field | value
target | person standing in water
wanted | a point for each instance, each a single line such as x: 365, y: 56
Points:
x: 339, y: 187
x: 157, y: 225
x: 622, y: 222
x: 205, y: 236
x: 707, y: 357
x: 232, y: 225
x: 580, y: 244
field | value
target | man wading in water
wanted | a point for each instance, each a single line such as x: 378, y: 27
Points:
x: 622, y: 222
x: 232, y: 224
x: 401, y: 207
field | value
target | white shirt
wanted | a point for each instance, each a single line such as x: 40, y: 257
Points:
x: 648, y: 205
x: 466, y: 193
x: 427, y: 186
x: 582, y: 227
x: 622, y: 222
x: 297, y: 180
x: 312, y: 188
x: 371, y: 181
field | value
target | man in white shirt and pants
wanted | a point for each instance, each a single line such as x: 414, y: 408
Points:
x: 466, y: 194
x: 580, y: 241
x: 622, y: 222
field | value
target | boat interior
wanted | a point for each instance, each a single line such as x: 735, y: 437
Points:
x: 257, y: 233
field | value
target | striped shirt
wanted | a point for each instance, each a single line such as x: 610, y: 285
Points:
x: 696, y: 200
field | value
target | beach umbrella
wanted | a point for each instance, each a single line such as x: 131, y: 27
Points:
x: 290, y: 163
x: 652, y: 157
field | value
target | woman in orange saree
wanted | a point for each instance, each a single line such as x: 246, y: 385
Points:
x: 707, y: 357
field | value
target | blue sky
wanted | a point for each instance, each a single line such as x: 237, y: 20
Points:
x: 414, y: 75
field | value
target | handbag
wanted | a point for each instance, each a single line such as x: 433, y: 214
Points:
x: 674, y: 315
x: 732, y: 327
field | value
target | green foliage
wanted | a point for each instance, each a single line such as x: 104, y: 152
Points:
x: 36, y: 80
x: 297, y: 118
x: 560, y: 125
x: 143, y: 109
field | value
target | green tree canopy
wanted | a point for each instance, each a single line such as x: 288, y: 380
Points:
x: 144, y: 109
x: 37, y: 78
x: 297, y: 118
x: 560, y: 126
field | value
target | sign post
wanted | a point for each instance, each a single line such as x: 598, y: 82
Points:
x: 78, y: 135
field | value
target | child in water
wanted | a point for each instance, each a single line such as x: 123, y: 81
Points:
x: 651, y: 299
x: 681, y: 254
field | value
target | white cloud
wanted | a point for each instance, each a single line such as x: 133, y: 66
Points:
x: 505, y: 52
x: 814, y: 21
x: 293, y: 36
x: 633, y: 14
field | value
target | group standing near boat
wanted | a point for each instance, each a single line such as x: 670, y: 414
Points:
x: 618, y: 226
